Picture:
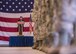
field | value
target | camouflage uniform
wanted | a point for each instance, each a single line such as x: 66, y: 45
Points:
x: 41, y: 23
x: 39, y: 20
x: 42, y: 13
x: 47, y: 15
x: 46, y: 23
x: 35, y: 20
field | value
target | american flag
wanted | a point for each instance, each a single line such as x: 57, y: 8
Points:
x: 10, y: 12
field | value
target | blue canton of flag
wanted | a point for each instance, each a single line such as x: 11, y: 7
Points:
x: 16, y: 6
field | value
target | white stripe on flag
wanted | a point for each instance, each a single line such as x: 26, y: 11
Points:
x: 7, y: 24
x: 4, y: 42
x: 14, y: 15
x: 8, y: 34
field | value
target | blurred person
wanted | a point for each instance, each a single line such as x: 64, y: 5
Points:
x: 20, y: 26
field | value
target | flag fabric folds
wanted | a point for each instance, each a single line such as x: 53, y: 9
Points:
x: 10, y: 12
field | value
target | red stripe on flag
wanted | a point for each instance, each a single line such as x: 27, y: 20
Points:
x: 3, y: 38
x: 13, y: 20
x: 7, y: 29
